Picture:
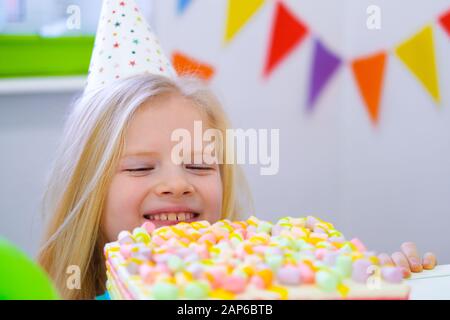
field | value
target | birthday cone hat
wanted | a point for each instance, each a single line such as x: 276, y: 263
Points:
x: 125, y: 45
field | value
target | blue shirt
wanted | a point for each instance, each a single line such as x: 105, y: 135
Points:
x: 104, y: 296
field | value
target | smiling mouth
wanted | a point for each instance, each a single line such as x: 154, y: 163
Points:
x: 172, y: 216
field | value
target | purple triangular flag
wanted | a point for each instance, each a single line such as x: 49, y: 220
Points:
x: 324, y: 65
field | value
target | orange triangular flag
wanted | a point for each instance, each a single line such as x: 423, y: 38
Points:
x: 369, y: 74
x: 185, y: 65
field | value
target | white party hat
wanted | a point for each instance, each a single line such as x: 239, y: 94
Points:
x: 125, y: 45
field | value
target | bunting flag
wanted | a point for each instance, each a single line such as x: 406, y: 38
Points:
x: 325, y: 64
x: 239, y: 13
x: 287, y: 32
x: 444, y: 20
x: 182, y: 6
x: 185, y: 65
x: 417, y: 53
x: 369, y: 75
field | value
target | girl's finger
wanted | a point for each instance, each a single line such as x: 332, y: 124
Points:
x: 429, y: 261
x: 409, y: 249
x: 401, y: 261
x: 385, y: 259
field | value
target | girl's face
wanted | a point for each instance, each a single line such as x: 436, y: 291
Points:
x: 148, y: 185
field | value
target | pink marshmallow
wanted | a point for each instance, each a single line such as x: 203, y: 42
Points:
x: 257, y: 281
x: 358, y: 244
x: 306, y: 274
x: 149, y: 226
x: 361, y: 271
x: 320, y: 253
x: 207, y: 237
x: 159, y: 241
x: 235, y: 284
x: 392, y: 274
x: 125, y: 250
x: 289, y: 275
x: 147, y: 273
x: 219, y: 276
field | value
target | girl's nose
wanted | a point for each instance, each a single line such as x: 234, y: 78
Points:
x: 174, y: 186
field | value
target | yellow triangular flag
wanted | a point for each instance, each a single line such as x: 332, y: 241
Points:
x: 417, y: 53
x: 239, y: 12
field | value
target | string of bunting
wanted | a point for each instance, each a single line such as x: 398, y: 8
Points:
x: 289, y: 31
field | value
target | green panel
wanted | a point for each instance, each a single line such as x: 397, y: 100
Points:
x: 32, y: 55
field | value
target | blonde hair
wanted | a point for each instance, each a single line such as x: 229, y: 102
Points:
x: 85, y: 162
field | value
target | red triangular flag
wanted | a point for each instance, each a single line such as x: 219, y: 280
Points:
x: 287, y: 32
x: 445, y: 21
x: 185, y: 65
x: 369, y: 72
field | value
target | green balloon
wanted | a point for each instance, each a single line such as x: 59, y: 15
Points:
x: 21, y: 278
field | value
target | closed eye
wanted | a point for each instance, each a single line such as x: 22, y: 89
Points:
x: 199, y: 167
x: 139, y: 169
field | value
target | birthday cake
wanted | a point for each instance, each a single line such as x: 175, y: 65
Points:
x: 295, y: 258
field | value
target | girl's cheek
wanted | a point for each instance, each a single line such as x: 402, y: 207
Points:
x: 122, y: 207
x: 211, y: 192
x: 128, y: 194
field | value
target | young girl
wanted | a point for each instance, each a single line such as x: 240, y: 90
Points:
x: 114, y: 171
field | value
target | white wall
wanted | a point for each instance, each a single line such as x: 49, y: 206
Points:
x: 30, y: 126
x: 385, y: 185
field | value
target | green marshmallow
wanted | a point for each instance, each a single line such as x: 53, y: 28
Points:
x: 283, y: 220
x: 320, y: 264
x: 264, y: 226
x: 141, y: 235
x: 196, y: 290
x: 165, y: 291
x: 344, y: 265
x: 235, y: 241
x: 346, y: 248
x: 308, y: 246
x: 327, y: 281
x: 175, y: 263
x: 285, y: 242
x: 274, y: 261
x: 296, y: 256
x: 338, y: 273
x: 222, y: 246
x: 299, y: 244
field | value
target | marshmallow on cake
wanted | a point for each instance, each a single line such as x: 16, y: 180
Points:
x: 295, y: 258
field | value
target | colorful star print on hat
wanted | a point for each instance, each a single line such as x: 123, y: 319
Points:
x: 125, y: 45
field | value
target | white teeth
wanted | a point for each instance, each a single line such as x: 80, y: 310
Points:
x: 172, y: 216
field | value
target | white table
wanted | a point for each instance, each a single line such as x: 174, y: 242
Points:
x: 431, y: 284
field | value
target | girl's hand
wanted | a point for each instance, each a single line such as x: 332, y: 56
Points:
x: 409, y: 259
